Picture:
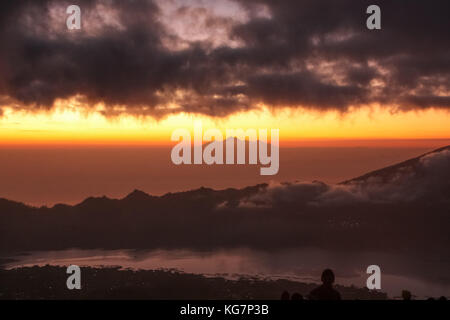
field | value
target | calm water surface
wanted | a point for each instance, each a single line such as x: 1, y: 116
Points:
x: 423, y: 279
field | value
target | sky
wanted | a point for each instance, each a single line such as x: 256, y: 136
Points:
x: 137, y: 70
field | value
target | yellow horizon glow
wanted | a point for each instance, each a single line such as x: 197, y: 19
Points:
x: 77, y: 125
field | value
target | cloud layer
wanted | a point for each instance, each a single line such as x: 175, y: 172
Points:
x: 427, y: 177
x: 144, y: 57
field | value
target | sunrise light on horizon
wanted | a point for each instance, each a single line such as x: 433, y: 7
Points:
x: 70, y: 124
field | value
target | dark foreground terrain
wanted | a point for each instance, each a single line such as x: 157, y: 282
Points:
x: 49, y: 282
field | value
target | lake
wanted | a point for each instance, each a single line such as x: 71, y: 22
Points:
x: 423, y: 277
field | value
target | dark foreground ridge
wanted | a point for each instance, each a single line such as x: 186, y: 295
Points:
x: 49, y: 282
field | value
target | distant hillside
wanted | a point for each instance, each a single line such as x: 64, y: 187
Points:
x: 388, y: 173
x: 402, y: 209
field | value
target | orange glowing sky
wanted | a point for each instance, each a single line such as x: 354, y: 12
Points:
x: 70, y: 124
x: 211, y: 57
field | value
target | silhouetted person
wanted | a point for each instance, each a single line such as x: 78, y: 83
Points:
x: 406, y: 295
x: 442, y: 298
x: 296, y: 296
x: 326, y: 290
x: 285, y: 295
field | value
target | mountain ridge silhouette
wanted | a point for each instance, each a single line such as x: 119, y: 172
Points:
x: 383, y: 216
x: 139, y: 195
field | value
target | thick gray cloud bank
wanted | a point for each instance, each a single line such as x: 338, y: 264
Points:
x: 141, y: 56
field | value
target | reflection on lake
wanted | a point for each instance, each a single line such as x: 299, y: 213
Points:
x: 422, y: 277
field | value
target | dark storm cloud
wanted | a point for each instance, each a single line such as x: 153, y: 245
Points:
x: 293, y: 88
x: 316, y: 54
x: 410, y: 53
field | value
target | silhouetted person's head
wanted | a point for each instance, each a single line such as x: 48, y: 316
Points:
x: 406, y: 295
x: 285, y: 295
x: 328, y: 277
x: 326, y: 290
x: 297, y: 296
x: 442, y: 298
